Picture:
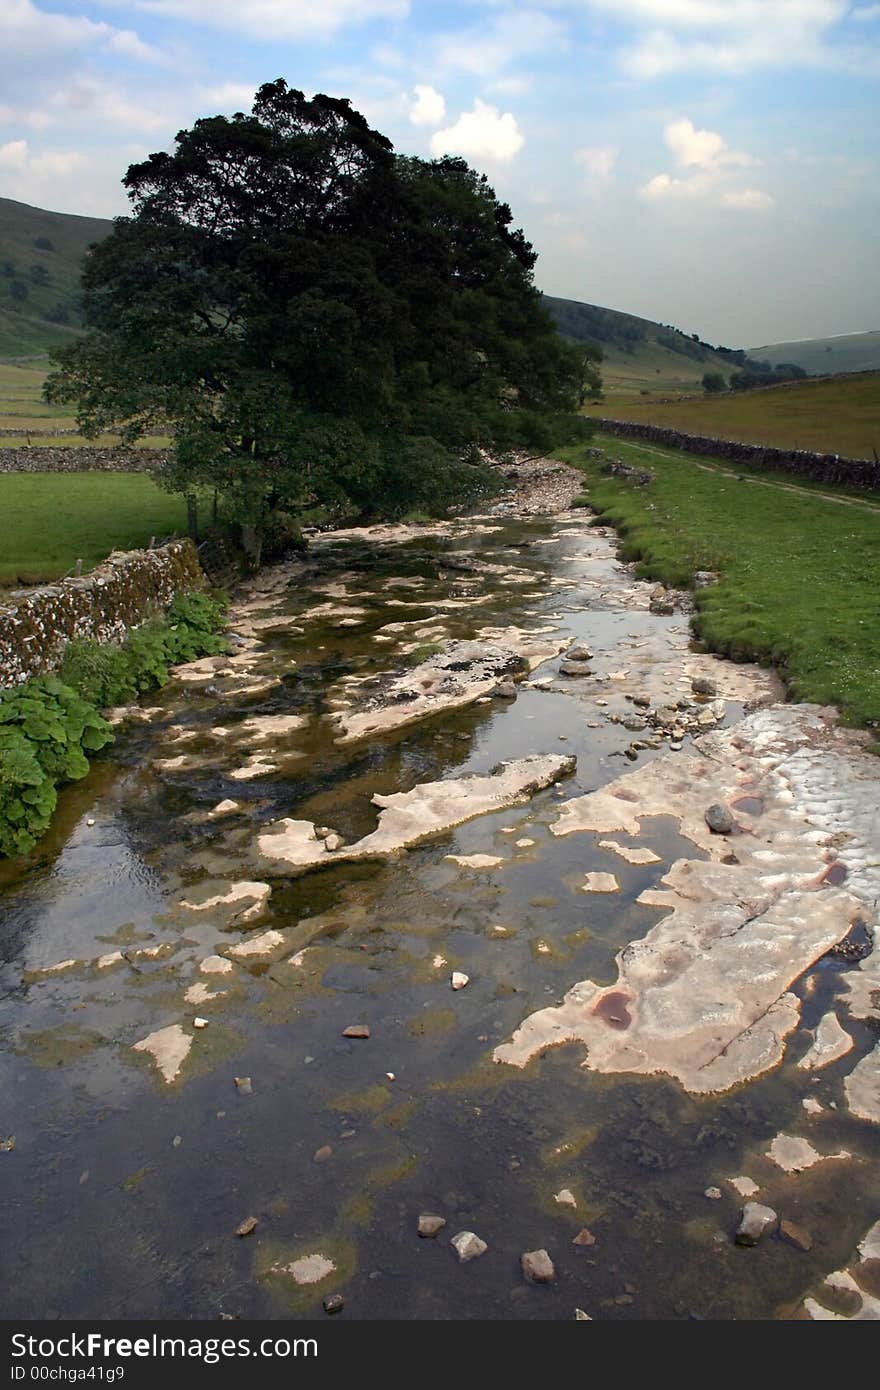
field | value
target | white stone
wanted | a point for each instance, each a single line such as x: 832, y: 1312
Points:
x: 459, y: 979
x: 468, y: 1246
x: 215, y: 965
x: 476, y: 861
x: 200, y: 1023
x: 632, y: 854
x: 168, y: 1047
x: 257, y: 893
x: 565, y: 1197
x: 831, y: 1043
x: 256, y: 946
x: 600, y: 883
x: 744, y: 1186
x: 310, y: 1269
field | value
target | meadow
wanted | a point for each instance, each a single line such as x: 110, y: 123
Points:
x: 51, y: 520
x: 837, y: 415
x: 797, y: 573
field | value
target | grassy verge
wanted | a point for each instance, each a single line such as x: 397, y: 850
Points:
x: 51, y: 520
x: 798, y: 574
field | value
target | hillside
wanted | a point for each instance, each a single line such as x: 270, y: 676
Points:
x: 639, y: 355
x: 41, y: 256
x: 850, y: 352
x: 837, y: 415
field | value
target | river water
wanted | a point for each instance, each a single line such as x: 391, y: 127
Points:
x: 122, y: 1193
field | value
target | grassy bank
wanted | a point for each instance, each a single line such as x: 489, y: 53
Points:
x: 836, y: 415
x: 51, y: 520
x: 798, y: 574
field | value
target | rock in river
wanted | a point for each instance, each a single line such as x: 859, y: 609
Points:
x: 430, y: 1225
x: 719, y: 820
x: 468, y: 1246
x: 537, y: 1267
x: 756, y: 1219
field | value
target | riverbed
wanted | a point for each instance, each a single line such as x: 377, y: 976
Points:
x: 176, y: 992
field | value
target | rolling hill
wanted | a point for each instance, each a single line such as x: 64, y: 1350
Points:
x: 41, y: 256
x: 640, y: 357
x: 849, y: 352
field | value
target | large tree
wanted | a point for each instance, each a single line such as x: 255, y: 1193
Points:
x: 316, y: 319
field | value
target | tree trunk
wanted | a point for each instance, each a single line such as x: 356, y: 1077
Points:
x: 252, y: 543
x: 192, y: 517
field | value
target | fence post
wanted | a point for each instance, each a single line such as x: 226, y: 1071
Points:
x: 192, y: 517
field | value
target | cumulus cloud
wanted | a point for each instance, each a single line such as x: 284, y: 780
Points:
x: 705, y: 149
x: 429, y: 107
x: 481, y: 133
x: 709, y: 164
x: 229, y: 96
x: 597, y: 161
x: 279, y: 19
x: 41, y: 177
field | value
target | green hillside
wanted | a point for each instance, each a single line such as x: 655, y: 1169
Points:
x: 851, y: 352
x: 639, y: 356
x: 41, y: 256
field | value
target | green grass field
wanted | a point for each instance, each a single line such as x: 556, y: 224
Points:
x: 798, y: 574
x: 51, y: 520
x: 838, y: 415
x: 853, y: 352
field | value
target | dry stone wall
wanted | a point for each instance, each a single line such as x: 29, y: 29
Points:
x: 62, y: 458
x: 36, y: 624
x: 823, y: 468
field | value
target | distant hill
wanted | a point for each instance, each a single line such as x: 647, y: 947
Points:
x: 41, y: 256
x: 639, y: 355
x: 851, y: 352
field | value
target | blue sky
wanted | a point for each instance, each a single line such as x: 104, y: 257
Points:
x: 709, y: 163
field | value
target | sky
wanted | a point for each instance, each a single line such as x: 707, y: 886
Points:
x: 712, y: 164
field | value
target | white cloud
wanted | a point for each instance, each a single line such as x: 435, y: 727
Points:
x: 271, y: 20
x: 429, y: 107
x: 40, y: 178
x: 229, y: 96
x: 597, y: 161
x: 13, y: 155
x: 746, y: 198
x: 482, y: 133
x: 731, y: 36
x: 709, y: 164
x: 705, y: 149
x: 486, y: 51
x: 28, y: 34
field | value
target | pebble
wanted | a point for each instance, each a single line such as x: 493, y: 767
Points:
x: 584, y: 1238
x: 581, y: 1316
x: 333, y: 842
x: 429, y: 1225
x: 506, y: 690
x: 200, y: 1023
x: 713, y: 1193
x: 459, y: 979
x: 719, y: 819
x: 247, y: 1227
x: 701, y: 685
x: 321, y: 1155
x: 243, y: 1084
x: 795, y: 1235
x: 565, y: 1198
x: 754, y: 1222
x: 537, y: 1267
x: 356, y: 1030
x: 468, y: 1246
x: 334, y: 1303
x: 90, y: 820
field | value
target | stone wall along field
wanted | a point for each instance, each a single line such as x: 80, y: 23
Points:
x: 64, y: 459
x: 36, y: 624
x: 822, y: 468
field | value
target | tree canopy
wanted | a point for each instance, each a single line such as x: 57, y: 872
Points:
x: 317, y: 319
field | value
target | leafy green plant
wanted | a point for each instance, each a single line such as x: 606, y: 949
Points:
x: 46, y: 730
x: 50, y: 725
